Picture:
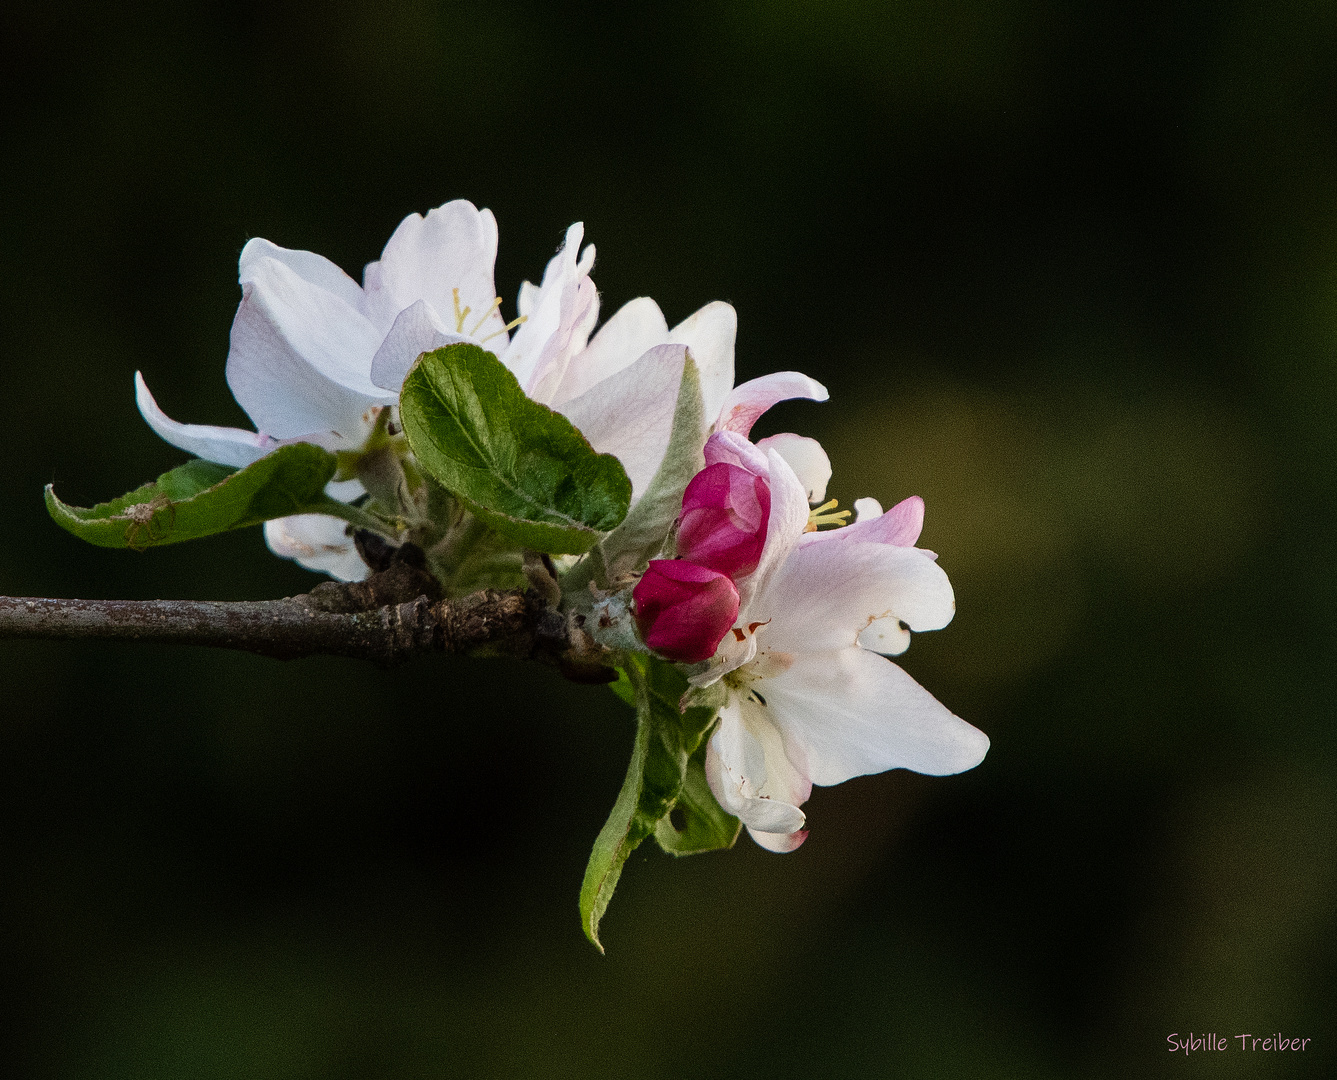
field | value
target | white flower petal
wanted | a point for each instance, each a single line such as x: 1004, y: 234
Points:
x: 637, y: 327
x: 750, y: 774
x: 732, y: 653
x: 824, y: 595
x: 808, y: 460
x: 747, y: 402
x: 345, y: 490
x: 528, y: 298
x: 224, y: 445
x: 866, y: 509
x: 630, y: 415
x: 453, y: 247
x: 558, y: 322
x: 309, y: 266
x: 300, y: 358
x: 318, y: 542
x: 332, y: 335
x: 710, y: 334
x: 852, y: 713
x: 784, y: 528
x: 417, y: 330
x: 887, y: 637
x: 586, y: 263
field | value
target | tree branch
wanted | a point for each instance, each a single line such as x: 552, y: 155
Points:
x: 395, y: 614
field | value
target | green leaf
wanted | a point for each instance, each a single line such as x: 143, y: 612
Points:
x: 200, y: 498
x: 705, y: 825
x: 521, y: 467
x: 641, y: 535
x: 665, y: 740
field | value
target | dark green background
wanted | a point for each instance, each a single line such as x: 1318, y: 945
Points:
x: 1070, y: 272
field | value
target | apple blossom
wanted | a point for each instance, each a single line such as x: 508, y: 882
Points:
x: 607, y: 449
x: 805, y: 699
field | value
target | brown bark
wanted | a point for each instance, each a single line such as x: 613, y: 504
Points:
x: 392, y: 616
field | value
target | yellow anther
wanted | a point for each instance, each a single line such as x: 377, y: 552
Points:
x: 826, y: 515
x: 486, y: 315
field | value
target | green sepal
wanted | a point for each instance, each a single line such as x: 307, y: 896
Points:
x: 665, y: 741
x: 642, y: 533
x: 519, y: 466
x: 706, y: 826
x: 200, y: 498
x: 623, y: 687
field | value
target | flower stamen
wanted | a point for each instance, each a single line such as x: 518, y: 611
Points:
x: 826, y: 515
x: 506, y: 329
x: 486, y: 315
x: 460, y: 316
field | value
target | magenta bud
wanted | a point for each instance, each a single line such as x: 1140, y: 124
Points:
x: 724, y: 514
x: 683, y: 610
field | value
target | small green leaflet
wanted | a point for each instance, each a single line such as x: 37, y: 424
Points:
x: 665, y: 741
x: 521, y: 467
x: 200, y: 498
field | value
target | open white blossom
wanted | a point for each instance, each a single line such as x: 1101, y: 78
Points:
x: 809, y: 700
x: 312, y: 353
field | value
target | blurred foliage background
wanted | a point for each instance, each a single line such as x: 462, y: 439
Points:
x: 1070, y: 272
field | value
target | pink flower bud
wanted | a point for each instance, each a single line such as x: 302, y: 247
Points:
x: 683, y: 610
x: 724, y: 513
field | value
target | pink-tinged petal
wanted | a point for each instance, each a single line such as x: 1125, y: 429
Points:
x: 780, y: 843
x: 453, y: 247
x: 747, y: 402
x: 630, y: 415
x: 784, y: 529
x: 300, y: 358
x: 824, y: 595
x: 808, y: 460
x: 318, y: 542
x: 637, y: 327
x: 724, y: 516
x: 417, y: 330
x: 900, y: 526
x: 851, y: 712
x: 683, y: 610
x: 710, y: 334
x: 735, y: 449
x: 750, y: 773
x: 309, y: 266
x: 223, y: 445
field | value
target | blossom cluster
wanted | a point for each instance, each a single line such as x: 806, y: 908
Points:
x: 780, y: 615
x: 796, y: 625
